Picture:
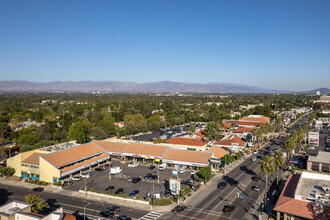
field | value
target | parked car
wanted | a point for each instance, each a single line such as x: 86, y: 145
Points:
x: 100, y: 168
x: 182, y: 170
x: 38, y: 189
x: 110, y: 188
x: 228, y: 209
x: 115, y: 170
x: 256, y: 188
x: 255, y: 178
x: 253, y: 159
x: 133, y: 193
x: 151, y: 167
x: 114, y: 208
x: 106, y: 213
x: 123, y: 217
x: 193, y: 172
x: 136, y: 179
x: 119, y: 191
x: 76, y: 178
x: 162, y: 166
x: 67, y: 182
x: 221, y: 185
x: 178, y: 209
x: 85, y: 175
x: 133, y: 164
x: 255, y: 152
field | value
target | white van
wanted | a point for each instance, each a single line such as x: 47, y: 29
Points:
x: 162, y: 166
x: 115, y: 170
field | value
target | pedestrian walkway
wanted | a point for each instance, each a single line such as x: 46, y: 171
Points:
x: 151, y: 216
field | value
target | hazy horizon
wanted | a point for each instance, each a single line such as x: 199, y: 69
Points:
x: 281, y: 45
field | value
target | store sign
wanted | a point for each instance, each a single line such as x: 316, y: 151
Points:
x: 175, y: 173
x: 175, y: 186
x: 157, y: 160
x: 313, y: 138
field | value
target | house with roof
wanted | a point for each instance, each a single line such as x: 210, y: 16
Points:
x: 217, y: 154
x: 231, y: 142
x: 22, y: 210
x: 243, y: 131
x: 195, y: 144
x: 253, y: 121
x: 304, y: 196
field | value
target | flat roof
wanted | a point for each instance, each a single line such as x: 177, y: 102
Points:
x: 64, y: 157
x: 33, y: 159
x: 196, y: 157
x: 113, y: 147
x: 146, y: 149
x: 322, y: 157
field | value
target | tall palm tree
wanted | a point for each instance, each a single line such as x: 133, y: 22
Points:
x: 290, y: 145
x: 267, y: 166
x: 279, y: 161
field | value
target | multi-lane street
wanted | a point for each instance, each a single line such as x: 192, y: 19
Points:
x: 238, y: 191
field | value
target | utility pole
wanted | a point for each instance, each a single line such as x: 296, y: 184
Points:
x: 158, y: 175
x: 225, y: 163
x: 153, y: 194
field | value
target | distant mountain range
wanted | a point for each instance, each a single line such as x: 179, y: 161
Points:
x: 131, y: 87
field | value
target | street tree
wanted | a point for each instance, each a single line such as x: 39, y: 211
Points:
x: 38, y: 204
x: 279, y: 163
x: 267, y: 166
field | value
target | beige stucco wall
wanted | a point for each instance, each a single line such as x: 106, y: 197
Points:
x: 48, y: 171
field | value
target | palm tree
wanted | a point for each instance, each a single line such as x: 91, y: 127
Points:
x: 279, y: 161
x: 267, y: 166
x: 290, y: 145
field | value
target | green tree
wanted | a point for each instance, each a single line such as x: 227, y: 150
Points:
x: 108, y: 125
x: 212, y: 131
x: 7, y: 171
x: 267, y: 166
x: 192, y: 129
x: 4, y: 130
x: 28, y: 139
x: 290, y: 145
x: 279, y: 161
x: 80, y: 131
x: 38, y: 204
x: 205, y: 172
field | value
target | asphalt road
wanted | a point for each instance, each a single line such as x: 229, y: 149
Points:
x: 238, y: 192
x: 69, y: 204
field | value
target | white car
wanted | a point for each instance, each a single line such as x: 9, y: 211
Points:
x: 193, y: 172
x: 75, y: 178
x: 85, y: 175
x: 255, y: 152
x: 182, y: 170
x: 162, y: 166
x: 133, y: 164
x: 253, y: 158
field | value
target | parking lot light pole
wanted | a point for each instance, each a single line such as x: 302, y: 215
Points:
x: 158, y: 175
x: 85, y: 210
x: 153, y: 195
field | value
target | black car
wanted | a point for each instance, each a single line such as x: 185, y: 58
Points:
x: 119, y: 191
x: 152, y: 167
x: 136, y: 179
x: 123, y: 217
x: 38, y: 189
x: 243, y: 167
x: 221, y: 184
x: 114, y: 208
x: 100, y: 168
x: 255, y: 178
x: 148, y: 176
x: 178, y: 208
x: 106, y: 213
x: 110, y: 188
x: 228, y: 209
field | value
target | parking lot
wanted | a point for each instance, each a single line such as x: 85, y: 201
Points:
x: 100, y: 179
x: 166, y: 133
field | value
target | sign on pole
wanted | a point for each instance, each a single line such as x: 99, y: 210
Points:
x: 175, y: 186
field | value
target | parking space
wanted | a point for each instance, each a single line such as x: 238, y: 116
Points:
x: 100, y: 179
x: 166, y: 133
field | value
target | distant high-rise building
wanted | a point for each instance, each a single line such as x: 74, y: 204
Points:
x: 318, y: 93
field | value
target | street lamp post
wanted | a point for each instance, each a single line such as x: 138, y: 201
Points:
x: 85, y: 210
x: 153, y: 194
x: 85, y: 186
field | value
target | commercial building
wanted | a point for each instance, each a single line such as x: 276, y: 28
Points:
x: 319, y: 163
x: 53, y: 166
x: 253, y: 120
x: 196, y: 144
x: 304, y: 196
x: 231, y: 142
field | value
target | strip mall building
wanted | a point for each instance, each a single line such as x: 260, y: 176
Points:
x: 59, y: 165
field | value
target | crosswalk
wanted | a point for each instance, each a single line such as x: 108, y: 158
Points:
x: 151, y: 216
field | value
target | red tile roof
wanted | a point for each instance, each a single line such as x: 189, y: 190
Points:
x: 286, y: 202
x: 188, y: 141
x: 229, y: 140
x: 188, y: 156
x: 66, y: 169
x: 251, y: 123
x: 201, y: 133
x: 146, y: 149
x: 226, y: 125
x: 61, y: 158
x: 218, y: 152
x: 243, y: 130
x: 255, y: 118
x: 33, y: 159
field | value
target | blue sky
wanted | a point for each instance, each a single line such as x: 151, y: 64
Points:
x: 279, y: 44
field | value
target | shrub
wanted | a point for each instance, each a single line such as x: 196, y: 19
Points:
x: 58, y: 183
x: 161, y: 202
x: 205, y: 172
x: 6, y: 171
